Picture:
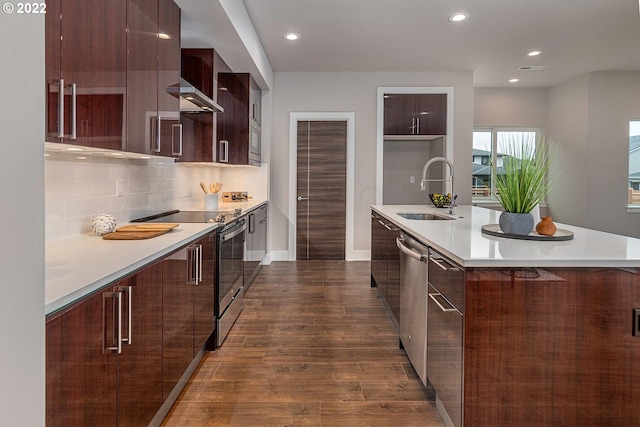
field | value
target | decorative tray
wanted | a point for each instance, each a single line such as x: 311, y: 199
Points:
x: 494, y: 230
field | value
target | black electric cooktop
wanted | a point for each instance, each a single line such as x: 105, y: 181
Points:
x: 223, y: 217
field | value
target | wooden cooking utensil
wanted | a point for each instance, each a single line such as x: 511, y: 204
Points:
x: 204, y: 187
x: 217, y: 187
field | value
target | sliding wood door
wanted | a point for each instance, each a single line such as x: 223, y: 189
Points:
x: 322, y: 190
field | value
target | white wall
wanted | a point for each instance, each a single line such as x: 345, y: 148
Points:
x: 355, y: 92
x: 590, y: 116
x: 510, y: 107
x: 22, y: 125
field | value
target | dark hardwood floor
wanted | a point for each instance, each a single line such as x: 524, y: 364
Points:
x: 312, y: 347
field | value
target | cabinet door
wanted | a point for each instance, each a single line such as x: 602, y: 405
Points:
x: 170, y: 142
x: 93, y: 66
x: 431, y: 114
x: 233, y: 124
x: 140, y: 363
x: 393, y: 271
x: 80, y: 375
x: 53, y: 73
x: 379, y: 253
x: 142, y: 76
x: 399, y: 116
x: 204, y: 295
x: 177, y: 317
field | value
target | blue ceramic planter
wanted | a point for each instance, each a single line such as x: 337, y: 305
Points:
x: 516, y: 223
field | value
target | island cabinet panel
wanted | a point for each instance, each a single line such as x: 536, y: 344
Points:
x: 551, y: 347
x: 385, y: 263
x: 91, y: 379
x: 86, y: 57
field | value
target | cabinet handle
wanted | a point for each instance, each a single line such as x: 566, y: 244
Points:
x: 300, y: 198
x: 128, y: 290
x: 173, y: 142
x: 74, y: 111
x: 61, y: 109
x: 199, y: 268
x: 252, y: 223
x: 433, y: 297
x: 440, y: 263
x: 117, y: 322
x: 224, y: 148
x: 158, y: 131
x: 418, y: 125
x: 192, y: 265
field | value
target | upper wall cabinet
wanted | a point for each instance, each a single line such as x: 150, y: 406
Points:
x: 415, y: 115
x: 153, y: 64
x: 86, y: 72
x: 239, y: 126
x: 108, y: 65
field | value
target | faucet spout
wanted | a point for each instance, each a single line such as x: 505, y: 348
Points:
x: 426, y: 167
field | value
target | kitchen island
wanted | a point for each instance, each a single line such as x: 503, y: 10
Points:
x: 549, y: 331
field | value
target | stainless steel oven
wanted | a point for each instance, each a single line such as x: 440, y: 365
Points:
x: 229, y: 277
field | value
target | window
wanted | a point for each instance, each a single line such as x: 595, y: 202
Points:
x: 487, y: 145
x: 634, y: 163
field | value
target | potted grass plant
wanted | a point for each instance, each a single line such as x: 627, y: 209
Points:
x: 522, y: 182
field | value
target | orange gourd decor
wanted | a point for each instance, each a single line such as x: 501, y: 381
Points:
x: 546, y: 227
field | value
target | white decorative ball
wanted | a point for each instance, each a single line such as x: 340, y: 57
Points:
x: 103, y: 224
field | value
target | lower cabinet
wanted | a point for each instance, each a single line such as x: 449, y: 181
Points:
x: 256, y: 243
x: 385, y: 263
x: 104, y: 356
x: 113, y: 358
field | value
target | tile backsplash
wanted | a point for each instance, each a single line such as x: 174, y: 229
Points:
x: 77, y: 188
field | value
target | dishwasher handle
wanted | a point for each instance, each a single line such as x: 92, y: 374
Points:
x: 410, y: 252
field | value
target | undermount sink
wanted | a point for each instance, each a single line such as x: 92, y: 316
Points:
x: 421, y: 216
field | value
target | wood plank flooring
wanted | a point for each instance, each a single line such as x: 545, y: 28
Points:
x: 312, y: 347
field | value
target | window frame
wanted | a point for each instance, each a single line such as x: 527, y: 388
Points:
x: 631, y: 207
x: 491, y: 199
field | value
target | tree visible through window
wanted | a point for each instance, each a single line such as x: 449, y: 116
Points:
x: 634, y: 162
x: 487, y: 145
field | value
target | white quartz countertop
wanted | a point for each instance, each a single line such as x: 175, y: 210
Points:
x: 462, y: 240
x: 80, y: 265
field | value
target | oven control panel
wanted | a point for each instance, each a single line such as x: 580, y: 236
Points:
x: 235, y: 196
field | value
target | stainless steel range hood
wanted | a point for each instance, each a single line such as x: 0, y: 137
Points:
x: 193, y: 100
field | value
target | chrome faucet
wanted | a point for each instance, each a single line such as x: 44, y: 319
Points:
x: 452, y: 202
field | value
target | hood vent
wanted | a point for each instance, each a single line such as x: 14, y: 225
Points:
x: 193, y: 100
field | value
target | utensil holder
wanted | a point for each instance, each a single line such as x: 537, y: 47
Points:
x: 210, y: 202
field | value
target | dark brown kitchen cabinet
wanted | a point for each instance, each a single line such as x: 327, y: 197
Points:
x: 188, y: 302
x: 385, y: 263
x: 415, y: 114
x: 200, y: 68
x: 86, y: 79
x: 104, y: 355
x: 153, y: 64
x: 256, y: 243
x: 238, y: 130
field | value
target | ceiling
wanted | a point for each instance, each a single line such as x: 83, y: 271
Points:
x: 575, y: 36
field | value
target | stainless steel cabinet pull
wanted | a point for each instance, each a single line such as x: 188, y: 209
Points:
x: 300, y: 198
x: 252, y: 223
x: 61, y: 109
x: 418, y: 125
x: 173, y: 142
x: 199, y: 269
x: 117, y: 323
x: 224, y: 148
x: 128, y: 290
x: 410, y: 252
x: 440, y: 263
x: 434, y: 298
x: 192, y: 265
x: 74, y: 111
x: 158, y: 132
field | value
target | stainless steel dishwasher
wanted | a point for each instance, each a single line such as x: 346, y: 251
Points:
x: 445, y: 336
x: 413, y: 301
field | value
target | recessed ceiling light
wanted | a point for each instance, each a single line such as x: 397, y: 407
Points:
x: 292, y: 36
x: 164, y: 36
x: 117, y: 154
x: 459, y: 17
x: 534, y: 53
x: 514, y: 80
x: 74, y: 149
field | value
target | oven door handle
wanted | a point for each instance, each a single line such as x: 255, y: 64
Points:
x: 231, y: 234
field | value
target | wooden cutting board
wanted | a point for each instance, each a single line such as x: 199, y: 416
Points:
x: 135, y: 235
x: 158, y: 226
